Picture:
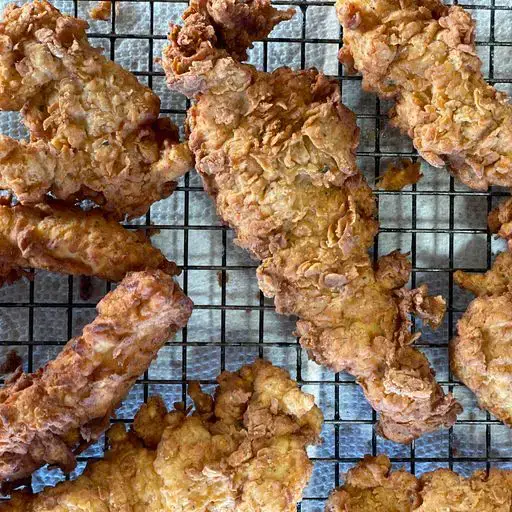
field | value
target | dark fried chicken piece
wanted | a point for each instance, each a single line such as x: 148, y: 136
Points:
x: 371, y: 485
x: 243, y: 450
x: 277, y: 153
x: 47, y: 416
x: 69, y: 240
x: 422, y: 54
x: 94, y: 129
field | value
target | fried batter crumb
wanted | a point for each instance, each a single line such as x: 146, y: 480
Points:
x: 11, y: 362
x: 400, y: 174
x: 276, y: 151
x: 372, y: 486
x: 101, y: 11
x: 243, y: 449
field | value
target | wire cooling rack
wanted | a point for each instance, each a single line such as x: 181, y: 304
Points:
x: 441, y: 223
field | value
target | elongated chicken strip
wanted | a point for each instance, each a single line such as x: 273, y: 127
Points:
x: 94, y: 129
x: 242, y: 450
x: 371, y: 485
x: 276, y: 151
x: 69, y: 240
x: 422, y: 54
x: 481, y: 353
x: 47, y: 416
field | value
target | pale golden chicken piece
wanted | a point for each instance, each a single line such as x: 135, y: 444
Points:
x: 48, y: 416
x: 480, y: 354
x: 422, y: 54
x: 277, y: 153
x: 242, y: 450
x: 372, y: 486
x: 94, y: 129
x: 66, y: 239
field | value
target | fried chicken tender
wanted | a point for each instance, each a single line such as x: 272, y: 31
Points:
x: 47, y: 416
x: 276, y: 151
x: 243, y: 450
x: 94, y: 129
x: 371, y: 485
x: 480, y: 353
x: 422, y: 54
x: 69, y: 240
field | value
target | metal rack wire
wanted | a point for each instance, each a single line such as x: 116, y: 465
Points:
x: 477, y: 440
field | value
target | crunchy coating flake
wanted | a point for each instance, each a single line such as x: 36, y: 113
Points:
x: 422, y: 54
x: 500, y: 221
x: 49, y: 415
x: 242, y: 450
x: 400, y: 174
x: 480, y: 354
x: 371, y: 485
x: 94, y: 129
x: 69, y: 240
x: 277, y: 153
x: 101, y: 11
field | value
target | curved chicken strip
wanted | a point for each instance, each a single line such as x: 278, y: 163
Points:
x: 243, y: 450
x: 94, y: 129
x: 277, y: 153
x: 69, y: 240
x: 371, y: 485
x: 422, y: 54
x: 47, y: 416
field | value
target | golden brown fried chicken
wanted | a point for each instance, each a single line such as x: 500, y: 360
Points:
x: 242, y: 450
x: 47, y: 416
x: 277, y: 153
x: 94, y: 131
x: 371, y: 485
x: 69, y: 240
x: 480, y: 354
x: 422, y: 54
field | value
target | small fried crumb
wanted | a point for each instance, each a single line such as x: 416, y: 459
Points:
x: 223, y: 279
x: 85, y: 287
x: 400, y: 174
x: 102, y: 11
x: 12, y: 361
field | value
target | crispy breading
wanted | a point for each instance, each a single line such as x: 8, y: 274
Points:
x: 480, y: 354
x: 422, y: 54
x: 94, y: 129
x: 500, y: 221
x: 66, y: 239
x: 101, y: 11
x: 277, y: 153
x: 371, y: 485
x: 400, y: 174
x: 243, y: 450
x: 49, y: 415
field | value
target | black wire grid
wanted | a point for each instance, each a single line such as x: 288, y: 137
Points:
x: 438, y: 220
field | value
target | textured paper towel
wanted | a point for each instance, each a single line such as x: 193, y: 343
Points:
x: 204, y: 357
